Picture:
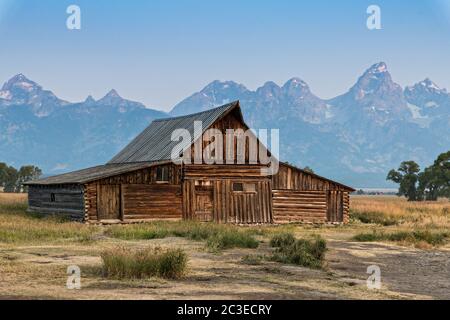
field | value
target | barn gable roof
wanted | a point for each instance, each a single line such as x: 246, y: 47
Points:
x: 155, y: 144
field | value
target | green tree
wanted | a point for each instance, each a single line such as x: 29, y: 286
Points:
x: 407, y: 176
x: 434, y: 181
x: 429, y: 184
x: 25, y: 174
x: 3, y: 174
x: 10, y: 179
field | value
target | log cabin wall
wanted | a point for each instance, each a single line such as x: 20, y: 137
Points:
x: 135, y: 196
x: 299, y: 196
x: 227, y: 194
x: 66, y: 200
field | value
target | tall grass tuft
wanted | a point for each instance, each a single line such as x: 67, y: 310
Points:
x: 282, y: 240
x: 304, y: 252
x: 231, y: 239
x: 216, y: 236
x: 123, y: 263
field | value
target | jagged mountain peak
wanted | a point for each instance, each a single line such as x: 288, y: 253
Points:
x: 296, y: 87
x: 429, y: 84
x: 376, y: 74
x: 21, y: 91
x: 296, y: 82
x: 426, y: 85
x: 376, y: 82
x: 112, y: 97
x: 20, y: 82
x: 377, y: 68
x: 90, y: 100
x: 113, y: 94
x: 269, y: 90
x: 224, y: 85
x: 270, y: 84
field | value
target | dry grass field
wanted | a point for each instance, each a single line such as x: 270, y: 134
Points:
x: 408, y: 241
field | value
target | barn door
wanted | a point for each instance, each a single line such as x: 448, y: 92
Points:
x: 108, y: 202
x: 204, y: 198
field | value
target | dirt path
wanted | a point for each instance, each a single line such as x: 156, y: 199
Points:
x: 40, y: 272
x: 403, y: 270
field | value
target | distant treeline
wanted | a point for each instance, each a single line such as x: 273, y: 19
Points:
x: 361, y: 192
x: 12, y: 180
x: 427, y: 185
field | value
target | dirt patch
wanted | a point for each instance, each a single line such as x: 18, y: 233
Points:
x: 419, y: 273
x: 40, y: 272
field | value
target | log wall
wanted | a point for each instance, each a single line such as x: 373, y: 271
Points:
x: 66, y: 200
x: 299, y: 206
x: 156, y: 202
x: 303, y: 197
x: 140, y: 195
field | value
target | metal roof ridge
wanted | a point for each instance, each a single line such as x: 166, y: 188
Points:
x: 225, y: 106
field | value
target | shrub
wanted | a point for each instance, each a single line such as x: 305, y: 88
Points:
x: 282, y: 240
x: 303, y: 252
x: 231, y: 239
x: 150, y: 262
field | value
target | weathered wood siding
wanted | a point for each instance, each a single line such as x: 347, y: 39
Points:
x: 299, y: 196
x: 143, y: 202
x: 139, y: 196
x: 289, y: 178
x: 299, y: 206
x: 228, y: 206
x: 66, y: 200
x: 237, y: 149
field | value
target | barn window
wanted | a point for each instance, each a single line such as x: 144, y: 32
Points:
x: 200, y: 183
x: 162, y: 174
x: 52, y: 197
x: 244, y: 187
x: 238, y: 187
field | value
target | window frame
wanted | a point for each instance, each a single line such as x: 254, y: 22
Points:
x: 245, y: 187
x: 162, y: 173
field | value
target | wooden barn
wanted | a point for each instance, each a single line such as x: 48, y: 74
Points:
x: 143, y: 183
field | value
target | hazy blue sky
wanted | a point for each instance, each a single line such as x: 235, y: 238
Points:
x: 160, y: 51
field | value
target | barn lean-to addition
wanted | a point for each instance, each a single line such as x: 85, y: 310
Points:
x: 142, y: 183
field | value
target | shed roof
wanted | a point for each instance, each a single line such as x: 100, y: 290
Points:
x: 91, y: 174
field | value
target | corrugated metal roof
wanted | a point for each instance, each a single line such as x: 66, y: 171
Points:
x: 92, y: 174
x: 155, y: 144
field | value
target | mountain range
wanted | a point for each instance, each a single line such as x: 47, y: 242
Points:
x: 355, y: 138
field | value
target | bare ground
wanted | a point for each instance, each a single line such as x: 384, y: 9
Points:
x: 39, y: 272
